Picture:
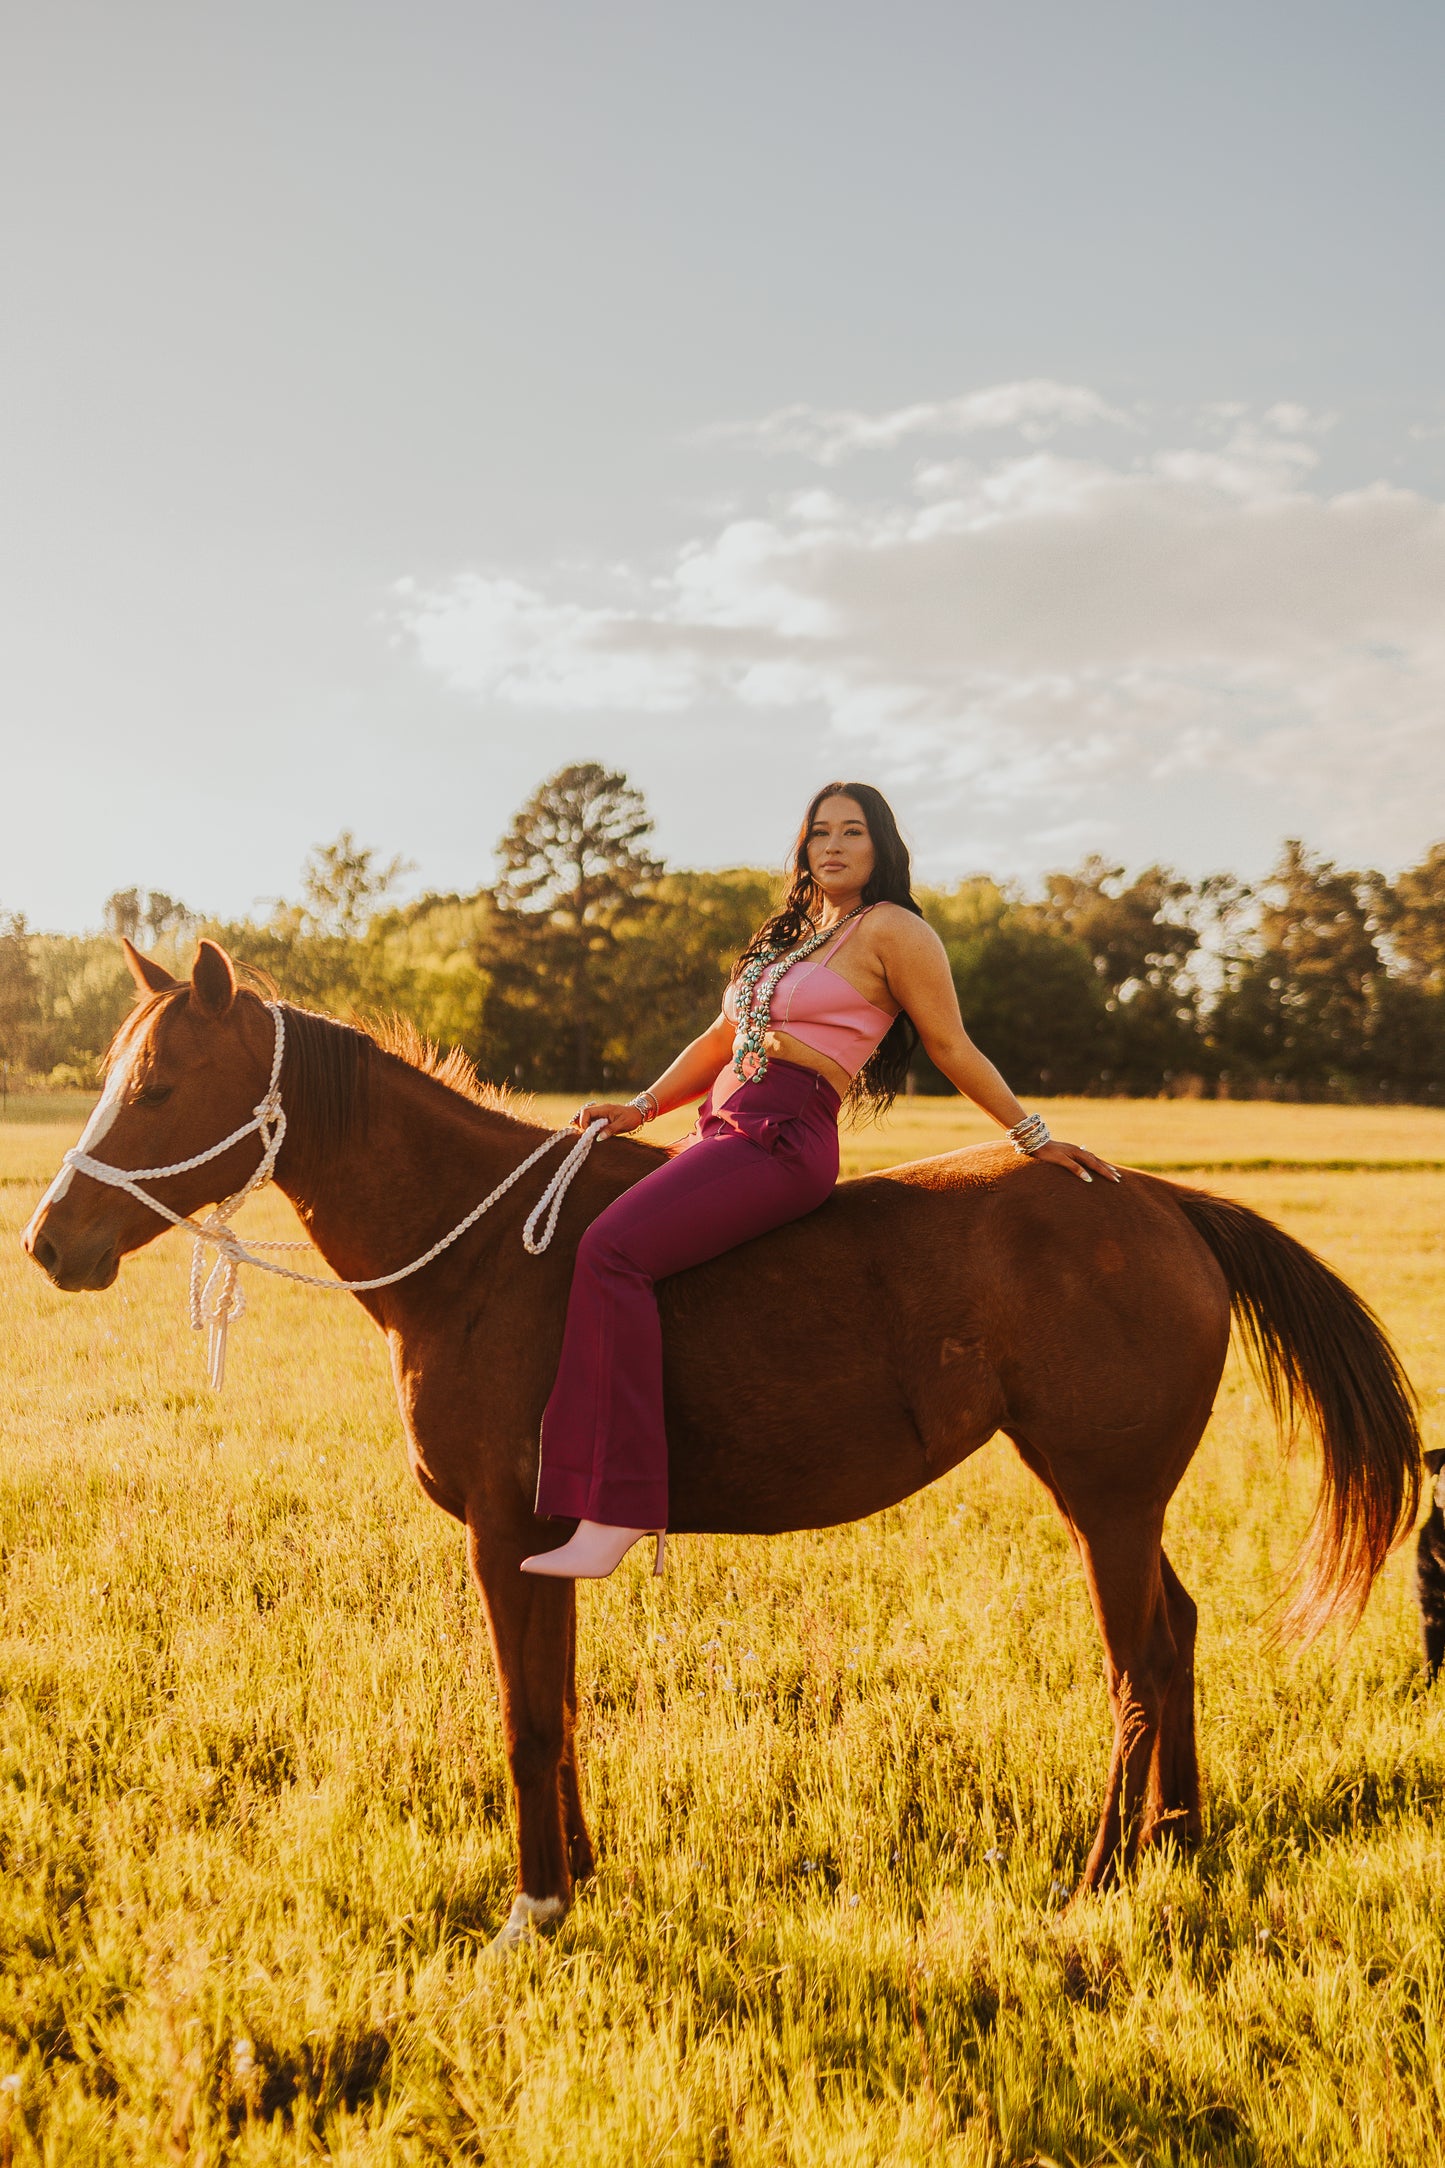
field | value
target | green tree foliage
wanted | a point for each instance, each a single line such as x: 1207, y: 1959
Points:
x: 328, y: 950
x: 83, y: 991
x: 419, y: 960
x: 146, y: 915
x: 1409, y: 1038
x: 588, y: 965
x: 672, y: 962
x: 19, y: 991
x: 1033, y: 1007
x: 1298, y: 1005
x: 166, y: 916
x: 1141, y: 942
x: 574, y: 868
x: 342, y: 887
x: 1412, y: 915
x: 1407, y: 1054
x: 124, y: 910
x: 1030, y: 997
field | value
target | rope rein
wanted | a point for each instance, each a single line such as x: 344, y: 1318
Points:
x: 217, y: 1299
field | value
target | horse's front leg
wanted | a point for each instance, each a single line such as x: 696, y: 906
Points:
x: 532, y: 1624
x: 580, y: 1855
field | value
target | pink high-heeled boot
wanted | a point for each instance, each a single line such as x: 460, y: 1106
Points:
x: 592, y: 1552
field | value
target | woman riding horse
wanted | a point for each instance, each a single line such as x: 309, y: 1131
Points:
x: 764, y: 1151
x: 957, y: 1298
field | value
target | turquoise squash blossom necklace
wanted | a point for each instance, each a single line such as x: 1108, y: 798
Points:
x: 756, y: 983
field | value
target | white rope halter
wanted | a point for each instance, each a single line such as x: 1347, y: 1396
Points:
x: 218, y: 1299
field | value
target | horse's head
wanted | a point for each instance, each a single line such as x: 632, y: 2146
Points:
x: 186, y: 1068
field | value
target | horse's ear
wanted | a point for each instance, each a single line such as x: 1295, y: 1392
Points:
x: 150, y: 978
x: 213, y: 981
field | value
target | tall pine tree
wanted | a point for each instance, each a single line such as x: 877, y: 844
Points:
x: 574, y: 863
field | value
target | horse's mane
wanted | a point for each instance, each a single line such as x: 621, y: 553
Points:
x: 327, y: 1070
x: 398, y: 1035
x: 328, y: 1075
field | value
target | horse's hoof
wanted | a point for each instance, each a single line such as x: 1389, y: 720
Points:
x: 528, y: 1916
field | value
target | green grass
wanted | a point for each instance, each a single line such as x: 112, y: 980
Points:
x: 254, y: 1808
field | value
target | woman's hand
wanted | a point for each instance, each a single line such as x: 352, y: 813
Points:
x: 1076, y: 1161
x: 619, y: 1120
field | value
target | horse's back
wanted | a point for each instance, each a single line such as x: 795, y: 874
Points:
x: 842, y: 1362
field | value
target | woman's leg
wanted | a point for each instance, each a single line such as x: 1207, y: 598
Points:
x: 604, y: 1448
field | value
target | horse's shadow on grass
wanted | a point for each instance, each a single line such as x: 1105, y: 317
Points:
x: 342, y: 2072
x: 1360, y: 1800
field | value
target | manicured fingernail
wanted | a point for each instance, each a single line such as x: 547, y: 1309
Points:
x: 1084, y: 1172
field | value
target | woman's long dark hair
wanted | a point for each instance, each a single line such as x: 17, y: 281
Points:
x: 883, y: 1075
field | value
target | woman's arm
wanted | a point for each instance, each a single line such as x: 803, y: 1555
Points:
x: 686, y: 1078
x: 920, y: 981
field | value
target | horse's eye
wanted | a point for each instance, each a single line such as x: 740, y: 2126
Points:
x: 154, y: 1095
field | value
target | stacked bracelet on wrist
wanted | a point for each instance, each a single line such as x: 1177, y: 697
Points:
x: 1029, y: 1136
x: 646, y: 1105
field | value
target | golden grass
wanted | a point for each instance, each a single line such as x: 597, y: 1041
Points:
x: 49, y: 1110
x: 253, y: 1806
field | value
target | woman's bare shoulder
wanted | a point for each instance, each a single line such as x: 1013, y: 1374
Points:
x: 903, y: 930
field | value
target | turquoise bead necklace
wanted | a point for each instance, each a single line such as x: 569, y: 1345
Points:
x: 755, y: 987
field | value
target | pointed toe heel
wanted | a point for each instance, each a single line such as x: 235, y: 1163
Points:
x: 592, y: 1553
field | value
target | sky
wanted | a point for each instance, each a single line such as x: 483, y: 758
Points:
x: 1036, y: 410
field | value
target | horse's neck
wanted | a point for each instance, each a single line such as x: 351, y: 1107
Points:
x: 424, y: 1161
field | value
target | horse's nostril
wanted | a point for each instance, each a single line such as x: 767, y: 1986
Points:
x: 43, y: 1250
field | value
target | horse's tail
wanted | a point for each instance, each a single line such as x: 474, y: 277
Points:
x: 1320, y: 1352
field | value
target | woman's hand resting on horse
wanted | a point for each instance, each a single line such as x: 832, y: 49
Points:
x: 1075, y: 1160
x: 619, y: 1120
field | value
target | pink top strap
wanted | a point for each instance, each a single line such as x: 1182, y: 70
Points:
x: 816, y: 1004
x: 841, y: 940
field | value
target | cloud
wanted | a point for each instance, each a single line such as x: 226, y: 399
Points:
x: 1034, y: 628
x: 1036, y: 409
x: 510, y: 642
x: 1300, y: 421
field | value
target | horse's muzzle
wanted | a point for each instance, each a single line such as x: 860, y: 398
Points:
x: 75, y: 1268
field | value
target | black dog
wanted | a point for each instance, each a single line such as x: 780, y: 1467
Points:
x: 1430, y: 1570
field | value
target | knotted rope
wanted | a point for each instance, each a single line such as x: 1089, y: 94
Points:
x: 217, y: 1299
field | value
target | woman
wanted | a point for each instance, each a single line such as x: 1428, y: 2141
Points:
x: 827, y: 1003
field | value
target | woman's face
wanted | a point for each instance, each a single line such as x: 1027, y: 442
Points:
x: 840, y: 849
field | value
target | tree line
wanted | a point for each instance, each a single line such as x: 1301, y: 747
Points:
x: 587, y: 962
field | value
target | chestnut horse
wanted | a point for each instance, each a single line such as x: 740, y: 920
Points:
x: 966, y: 1295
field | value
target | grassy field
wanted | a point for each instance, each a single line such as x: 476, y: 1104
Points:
x: 253, y: 1803
x: 45, y: 1109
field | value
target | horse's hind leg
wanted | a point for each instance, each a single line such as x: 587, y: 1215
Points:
x: 1124, y: 1566
x: 532, y: 1624
x: 1170, y: 1805
x: 1173, y: 1811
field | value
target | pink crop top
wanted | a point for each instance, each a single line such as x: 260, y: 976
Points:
x: 818, y: 1006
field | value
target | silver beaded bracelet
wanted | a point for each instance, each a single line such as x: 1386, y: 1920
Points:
x: 1029, y: 1136
x: 646, y: 1105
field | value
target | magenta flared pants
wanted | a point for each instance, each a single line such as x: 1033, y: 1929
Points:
x: 766, y: 1156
